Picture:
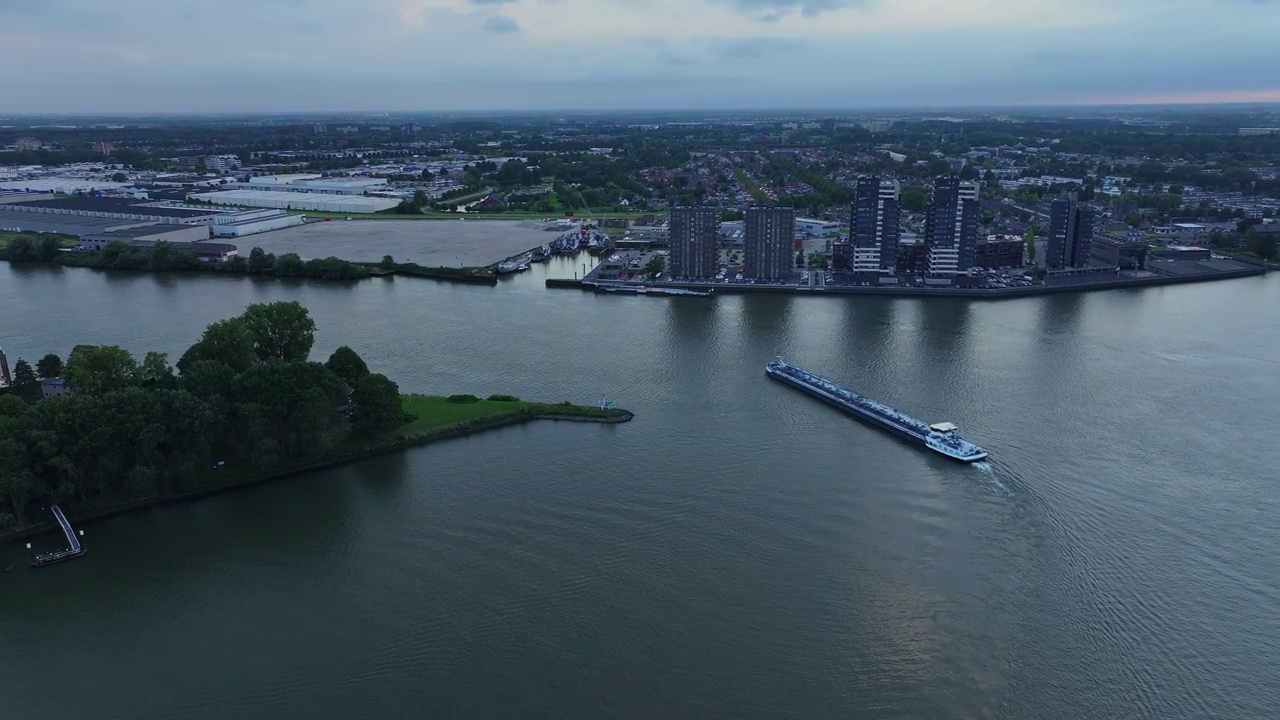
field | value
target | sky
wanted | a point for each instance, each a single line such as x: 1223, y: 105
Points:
x: 201, y: 56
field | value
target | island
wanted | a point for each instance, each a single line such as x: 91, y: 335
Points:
x: 105, y: 433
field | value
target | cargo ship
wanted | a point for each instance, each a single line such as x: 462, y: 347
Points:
x: 943, y: 438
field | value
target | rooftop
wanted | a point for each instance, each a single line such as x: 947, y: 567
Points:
x: 116, y: 205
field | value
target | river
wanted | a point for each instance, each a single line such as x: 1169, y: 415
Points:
x: 737, y: 551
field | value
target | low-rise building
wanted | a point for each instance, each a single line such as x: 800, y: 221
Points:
x: 54, y: 387
x: 815, y: 228
x: 1000, y: 251
x: 146, y: 233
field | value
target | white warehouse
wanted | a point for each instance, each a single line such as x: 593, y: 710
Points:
x: 284, y: 200
x: 251, y: 222
x: 817, y: 228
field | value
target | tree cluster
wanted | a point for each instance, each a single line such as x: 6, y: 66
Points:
x: 245, y: 394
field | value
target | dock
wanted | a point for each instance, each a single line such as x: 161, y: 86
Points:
x: 74, y: 547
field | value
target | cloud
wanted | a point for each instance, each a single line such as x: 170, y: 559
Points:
x: 753, y: 48
x: 274, y: 54
x: 773, y: 10
x: 501, y: 24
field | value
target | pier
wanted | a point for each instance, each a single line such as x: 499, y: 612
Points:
x: 74, y: 547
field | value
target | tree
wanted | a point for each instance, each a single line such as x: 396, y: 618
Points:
x: 426, y: 175
x: 25, y: 384
x: 1031, y: 245
x: 119, y: 177
x: 98, y: 369
x: 915, y: 199
x: 388, y: 262
x: 280, y: 330
x: 346, y: 364
x: 288, y: 265
x: 260, y: 261
x: 227, y: 342
x: 655, y: 266
x: 49, y: 366
x: 376, y: 405
x: 155, y: 371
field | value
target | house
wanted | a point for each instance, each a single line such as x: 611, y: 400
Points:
x: 54, y: 387
x: 491, y: 203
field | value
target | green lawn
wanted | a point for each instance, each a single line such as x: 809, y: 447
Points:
x: 434, y: 411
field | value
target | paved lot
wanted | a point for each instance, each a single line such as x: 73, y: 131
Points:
x: 450, y: 243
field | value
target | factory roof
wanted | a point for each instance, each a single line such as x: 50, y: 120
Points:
x: 116, y: 205
x: 143, y: 231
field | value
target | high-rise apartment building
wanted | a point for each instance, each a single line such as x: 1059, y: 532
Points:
x: 695, y: 242
x: 951, y: 227
x: 1070, y: 235
x: 874, y: 228
x: 769, y: 243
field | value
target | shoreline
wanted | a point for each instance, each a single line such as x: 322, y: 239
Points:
x: 355, y: 454
x: 920, y: 292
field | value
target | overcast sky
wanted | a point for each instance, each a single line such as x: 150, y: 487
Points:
x: 65, y: 56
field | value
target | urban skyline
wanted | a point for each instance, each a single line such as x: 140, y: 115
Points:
x: 715, y: 54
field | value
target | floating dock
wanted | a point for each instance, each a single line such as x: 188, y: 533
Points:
x: 74, y: 547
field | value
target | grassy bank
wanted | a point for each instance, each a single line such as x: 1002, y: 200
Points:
x: 428, y: 419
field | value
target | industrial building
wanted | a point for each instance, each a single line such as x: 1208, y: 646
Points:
x: 287, y: 200
x: 11, y: 221
x: 874, y: 227
x: 251, y: 222
x: 116, y: 208
x: 311, y: 183
x: 951, y: 227
x: 7, y: 197
x: 146, y: 233
x: 769, y: 242
x: 695, y: 246
x: 815, y: 228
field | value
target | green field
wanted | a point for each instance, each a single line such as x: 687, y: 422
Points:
x: 433, y: 411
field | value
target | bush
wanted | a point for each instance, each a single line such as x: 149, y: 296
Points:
x: 504, y: 398
x: 462, y: 399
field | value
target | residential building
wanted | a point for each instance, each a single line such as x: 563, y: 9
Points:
x: 951, y: 226
x: 874, y: 228
x: 54, y: 387
x: 912, y: 259
x: 769, y: 242
x: 694, y: 237
x: 222, y: 163
x: 1070, y: 234
x: 24, y: 144
x: 1000, y: 251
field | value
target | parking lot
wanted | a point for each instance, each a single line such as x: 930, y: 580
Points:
x: 448, y: 243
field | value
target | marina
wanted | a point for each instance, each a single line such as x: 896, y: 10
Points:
x: 943, y: 438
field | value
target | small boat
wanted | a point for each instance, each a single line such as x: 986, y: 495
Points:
x: 506, y: 266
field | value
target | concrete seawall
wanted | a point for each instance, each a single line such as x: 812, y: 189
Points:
x: 970, y: 293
